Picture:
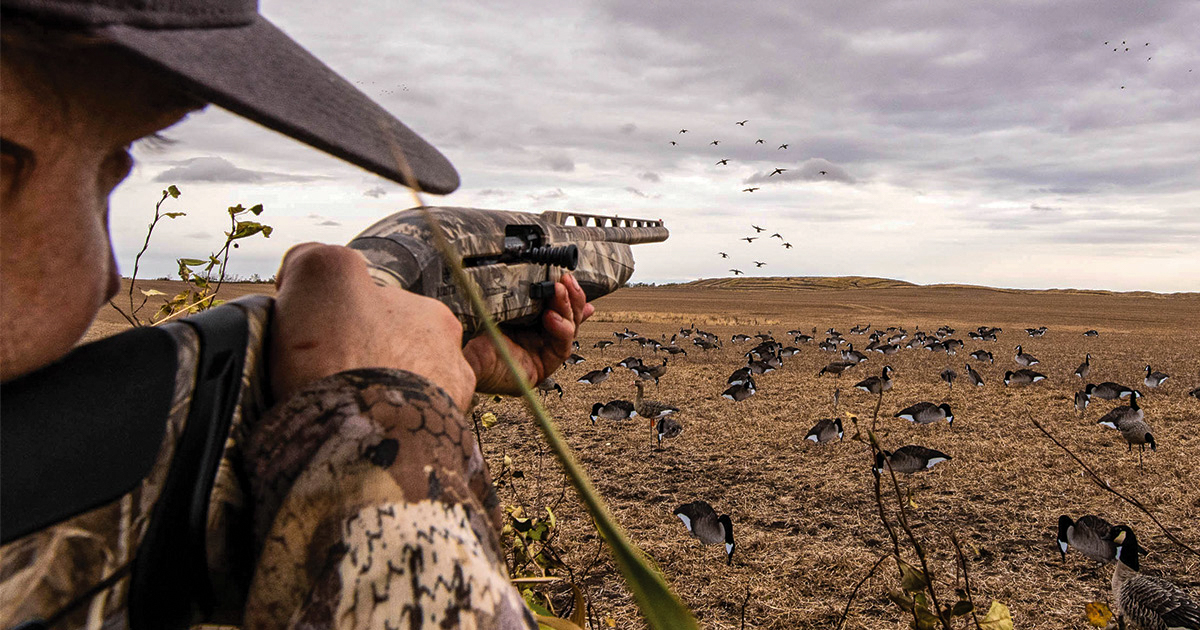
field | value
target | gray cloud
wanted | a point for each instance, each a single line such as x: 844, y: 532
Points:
x: 375, y: 192
x: 560, y: 163
x: 628, y: 128
x: 557, y: 193
x: 217, y: 169
x: 329, y: 222
x: 650, y: 177
x: 811, y: 170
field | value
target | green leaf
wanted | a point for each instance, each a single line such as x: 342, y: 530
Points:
x: 961, y: 607
x: 901, y: 599
x: 256, y: 209
x: 190, y: 262
x: 911, y: 578
x: 173, y: 191
x: 172, y: 215
x: 550, y: 516
x: 998, y: 618
x: 266, y: 231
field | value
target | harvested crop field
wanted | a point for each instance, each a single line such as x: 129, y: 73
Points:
x: 805, y: 516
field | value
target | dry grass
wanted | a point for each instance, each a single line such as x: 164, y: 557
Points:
x: 805, y: 516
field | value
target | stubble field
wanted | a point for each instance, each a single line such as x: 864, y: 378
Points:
x: 805, y: 516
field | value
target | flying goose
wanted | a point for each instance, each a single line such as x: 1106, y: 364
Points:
x: 1084, y: 368
x: 1108, y: 390
x: 596, y: 377
x: 876, y: 384
x: 1155, y: 379
x: 825, y: 431
x: 1132, y: 412
x: 974, y: 376
x: 909, y: 459
x: 1022, y: 377
x: 1148, y: 602
x: 701, y: 521
x: 613, y: 410
x: 926, y: 413
x: 547, y: 385
x: 1024, y: 358
x: 982, y: 355
x: 1088, y: 535
x: 948, y: 375
x: 1081, y: 402
x: 651, y: 409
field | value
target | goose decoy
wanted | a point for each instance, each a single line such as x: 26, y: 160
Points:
x: 630, y: 363
x: 1155, y: 379
x: 850, y: 355
x: 1022, y: 377
x: 974, y: 376
x: 547, y: 385
x: 926, y: 413
x: 595, y: 377
x: 651, y: 409
x: 909, y: 459
x: 1151, y: 603
x: 948, y: 375
x: 647, y: 372
x: 1125, y: 413
x: 836, y: 368
x: 876, y: 384
x: 1084, y: 368
x: 1108, y: 390
x: 574, y: 359
x: 982, y: 355
x: 1091, y: 333
x: 1134, y: 429
x: 701, y: 521
x: 613, y: 410
x: 602, y: 344
x: 739, y: 376
x: 740, y: 392
x: 1081, y: 402
x: 1089, y: 536
x: 825, y: 431
x: 1024, y: 358
x: 667, y: 427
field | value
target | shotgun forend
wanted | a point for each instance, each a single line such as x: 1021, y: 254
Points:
x: 514, y: 258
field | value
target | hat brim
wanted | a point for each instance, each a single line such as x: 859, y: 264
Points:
x: 258, y: 72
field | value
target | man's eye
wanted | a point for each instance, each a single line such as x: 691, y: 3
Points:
x: 16, y: 157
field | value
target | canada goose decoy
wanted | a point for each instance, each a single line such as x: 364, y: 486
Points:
x: 740, y: 392
x: 739, y: 376
x: 701, y: 521
x: 547, y: 385
x: 1151, y: 603
x: 667, y: 427
x: 836, y: 368
x: 825, y: 431
x: 1155, y: 379
x: 651, y: 409
x: 974, y: 376
x: 926, y: 413
x: 982, y: 355
x: 1089, y: 536
x: 1108, y: 390
x: 949, y: 375
x: 1084, y: 368
x: 1024, y: 358
x: 1134, y: 429
x: 613, y: 410
x: 876, y: 384
x: 630, y: 363
x: 851, y: 355
x: 574, y: 359
x: 1022, y: 377
x: 595, y: 377
x: 909, y: 459
x: 1116, y: 418
x: 1081, y: 402
x: 647, y: 372
x: 1091, y: 333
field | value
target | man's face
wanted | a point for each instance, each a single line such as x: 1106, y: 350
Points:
x: 67, y: 127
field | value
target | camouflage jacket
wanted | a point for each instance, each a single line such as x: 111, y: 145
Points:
x: 361, y: 502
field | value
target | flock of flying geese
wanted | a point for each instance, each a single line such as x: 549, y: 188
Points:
x: 1146, y: 601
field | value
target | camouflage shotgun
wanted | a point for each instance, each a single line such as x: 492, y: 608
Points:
x: 86, y: 431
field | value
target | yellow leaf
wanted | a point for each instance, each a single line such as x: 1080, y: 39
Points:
x: 610, y: 622
x: 1098, y: 614
x: 578, y: 615
x: 487, y: 420
x: 998, y: 618
x: 151, y: 292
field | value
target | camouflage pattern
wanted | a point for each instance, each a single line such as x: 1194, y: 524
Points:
x: 369, y: 506
x: 401, y: 253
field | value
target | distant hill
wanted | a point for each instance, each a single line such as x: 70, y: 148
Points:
x: 803, y: 283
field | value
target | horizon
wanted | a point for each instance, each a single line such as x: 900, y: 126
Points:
x: 940, y: 144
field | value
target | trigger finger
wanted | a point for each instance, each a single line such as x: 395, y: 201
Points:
x: 578, y: 299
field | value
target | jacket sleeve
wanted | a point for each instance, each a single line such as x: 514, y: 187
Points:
x: 373, y: 509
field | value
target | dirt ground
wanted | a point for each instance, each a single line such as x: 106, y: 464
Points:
x: 804, y: 515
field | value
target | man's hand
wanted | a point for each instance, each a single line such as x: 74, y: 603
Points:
x: 331, y: 317
x: 538, y: 351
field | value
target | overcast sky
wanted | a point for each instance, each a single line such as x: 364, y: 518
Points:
x: 999, y: 143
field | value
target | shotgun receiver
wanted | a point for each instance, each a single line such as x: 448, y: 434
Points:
x: 513, y: 258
